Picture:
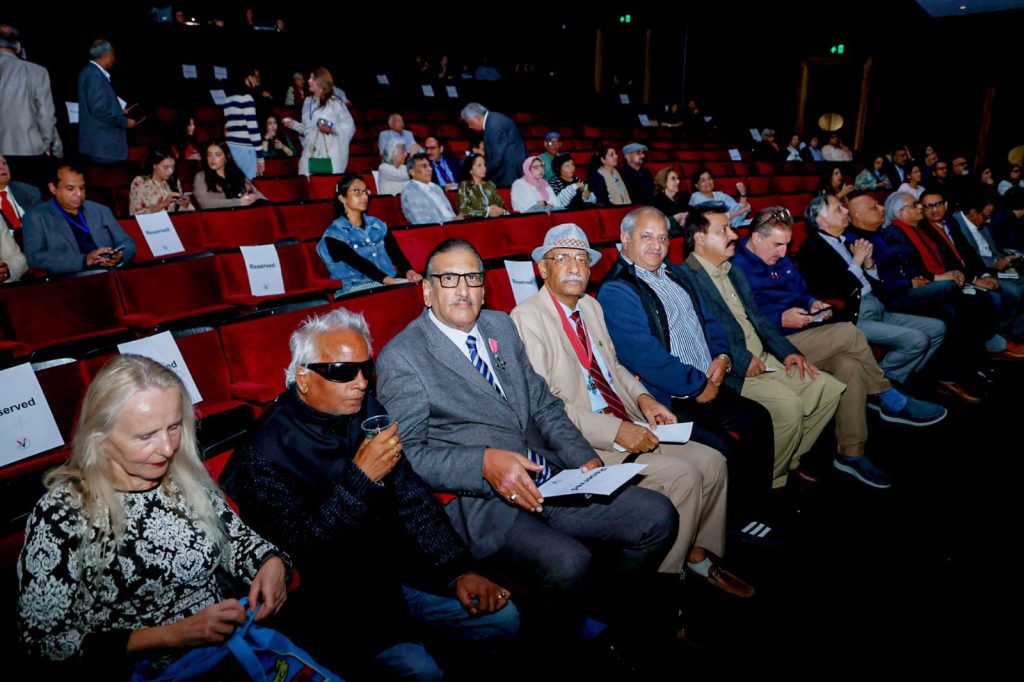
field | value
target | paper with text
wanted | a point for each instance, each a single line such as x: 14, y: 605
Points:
x: 522, y: 278
x: 264, y: 269
x: 164, y: 350
x: 599, y: 481
x: 159, y: 232
x: 27, y: 426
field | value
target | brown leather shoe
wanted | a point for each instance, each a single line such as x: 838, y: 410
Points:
x: 722, y: 579
x: 957, y: 391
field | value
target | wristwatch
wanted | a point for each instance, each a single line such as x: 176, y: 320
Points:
x: 728, y: 361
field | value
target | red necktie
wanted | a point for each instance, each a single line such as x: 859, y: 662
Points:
x: 609, y: 395
x: 7, y: 208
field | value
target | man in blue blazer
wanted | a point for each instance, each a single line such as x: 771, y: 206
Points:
x: 69, y: 234
x: 503, y: 145
x: 101, y: 120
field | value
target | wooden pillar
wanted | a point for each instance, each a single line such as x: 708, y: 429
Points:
x: 598, y: 60
x: 986, y: 124
x: 862, y: 108
x: 801, y: 102
x: 648, y: 61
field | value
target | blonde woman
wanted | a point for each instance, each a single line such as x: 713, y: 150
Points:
x: 327, y: 126
x: 122, y: 554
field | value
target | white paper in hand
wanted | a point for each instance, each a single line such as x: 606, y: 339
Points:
x: 159, y: 232
x: 522, y: 278
x: 164, y: 350
x: 671, y: 433
x: 599, y: 481
x: 264, y: 270
x: 27, y: 426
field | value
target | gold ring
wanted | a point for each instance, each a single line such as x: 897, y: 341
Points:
x: 392, y: 441
x: 502, y: 595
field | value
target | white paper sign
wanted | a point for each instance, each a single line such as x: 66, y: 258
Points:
x: 220, y: 73
x: 624, y: 99
x: 671, y: 433
x: 164, y: 350
x: 524, y: 282
x: 428, y: 90
x: 264, y: 270
x: 644, y: 121
x: 734, y: 154
x: 452, y: 92
x: 159, y: 232
x: 219, y: 98
x: 189, y: 71
x: 755, y: 134
x: 383, y: 79
x: 27, y: 426
x: 599, y: 481
x: 72, y: 111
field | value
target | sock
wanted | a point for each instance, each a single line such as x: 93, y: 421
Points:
x: 892, y: 400
x: 701, y: 568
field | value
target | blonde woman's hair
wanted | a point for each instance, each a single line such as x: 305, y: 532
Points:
x: 661, y: 179
x: 325, y: 80
x: 87, y: 472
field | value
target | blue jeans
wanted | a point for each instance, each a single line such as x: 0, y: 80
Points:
x: 245, y: 158
x: 909, y: 340
x: 450, y: 625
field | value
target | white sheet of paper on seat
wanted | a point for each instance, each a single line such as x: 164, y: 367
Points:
x: 189, y: 71
x: 453, y: 92
x: 220, y: 73
x: 163, y: 349
x: 624, y: 99
x: 644, y: 121
x: 219, y: 98
x: 522, y: 278
x: 159, y: 233
x: 755, y: 134
x: 27, y: 426
x: 599, y: 481
x: 428, y: 90
x: 72, y: 111
x: 376, y: 179
x: 734, y: 154
x: 671, y: 433
x: 382, y: 79
x: 264, y: 270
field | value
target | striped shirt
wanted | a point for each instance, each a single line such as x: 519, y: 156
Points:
x: 686, y: 336
x: 240, y: 124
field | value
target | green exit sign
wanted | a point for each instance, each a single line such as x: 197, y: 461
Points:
x: 837, y: 49
x: 626, y: 19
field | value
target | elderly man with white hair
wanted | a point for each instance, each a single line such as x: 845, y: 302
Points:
x: 505, y: 148
x: 396, y: 131
x: 378, y: 556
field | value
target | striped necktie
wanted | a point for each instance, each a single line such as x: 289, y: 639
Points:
x: 481, y: 366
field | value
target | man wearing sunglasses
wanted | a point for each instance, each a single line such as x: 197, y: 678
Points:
x: 378, y: 557
x: 480, y: 424
x: 782, y: 296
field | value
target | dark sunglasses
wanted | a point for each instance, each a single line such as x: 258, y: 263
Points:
x: 342, y: 372
x: 781, y: 216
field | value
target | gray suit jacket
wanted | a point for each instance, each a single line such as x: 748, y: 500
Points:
x: 968, y: 241
x: 26, y: 108
x: 505, y: 150
x: 102, y: 124
x: 448, y: 414
x: 419, y: 208
x: 50, y: 243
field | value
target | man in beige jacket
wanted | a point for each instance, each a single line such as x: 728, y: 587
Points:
x: 568, y: 344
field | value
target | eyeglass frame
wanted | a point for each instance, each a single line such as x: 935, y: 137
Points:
x: 324, y: 369
x: 563, y: 258
x: 933, y: 205
x: 458, y: 277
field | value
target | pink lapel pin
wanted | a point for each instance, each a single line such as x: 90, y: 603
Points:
x: 493, y: 344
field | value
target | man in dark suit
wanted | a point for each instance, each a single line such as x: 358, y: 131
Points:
x: 447, y: 168
x: 101, y: 119
x: 477, y: 422
x: 503, y: 145
x: 70, y: 234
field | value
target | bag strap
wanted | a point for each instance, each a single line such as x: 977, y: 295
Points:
x: 241, y: 649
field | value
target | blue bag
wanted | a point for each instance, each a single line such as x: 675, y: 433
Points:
x: 263, y: 653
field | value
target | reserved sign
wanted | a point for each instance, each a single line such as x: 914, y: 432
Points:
x: 159, y: 232
x: 27, y: 426
x: 264, y: 270
x: 524, y: 281
x: 164, y: 350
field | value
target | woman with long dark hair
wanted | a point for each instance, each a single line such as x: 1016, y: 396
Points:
x: 161, y: 189
x: 221, y: 183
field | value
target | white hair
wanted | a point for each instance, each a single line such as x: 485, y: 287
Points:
x: 472, y: 110
x: 896, y: 203
x: 303, y: 342
x: 391, y: 148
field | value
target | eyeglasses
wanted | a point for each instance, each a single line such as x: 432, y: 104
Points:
x: 450, y: 280
x: 342, y: 372
x: 780, y: 216
x: 356, y: 191
x: 581, y: 258
x: 934, y: 204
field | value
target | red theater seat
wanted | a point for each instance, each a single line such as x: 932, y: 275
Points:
x: 611, y: 221
x: 204, y: 356
x: 305, y: 221
x: 388, y: 208
x: 498, y: 289
x: 230, y: 229
x: 322, y: 186
x: 296, y: 272
x: 286, y: 166
x: 155, y: 294
x: 524, y: 233
x: 69, y: 310
x: 417, y: 242
x: 387, y: 310
x: 284, y: 189
x: 486, y: 235
x: 64, y: 387
x: 589, y: 220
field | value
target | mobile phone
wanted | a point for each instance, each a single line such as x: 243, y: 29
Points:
x: 820, y: 315
x: 117, y: 249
